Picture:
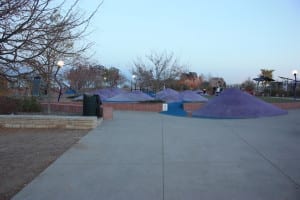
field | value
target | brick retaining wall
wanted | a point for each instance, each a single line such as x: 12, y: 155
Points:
x: 71, y: 108
x: 148, y: 107
x: 189, y: 107
x: 48, y: 121
x: 197, y: 105
x: 76, y: 108
x: 287, y: 106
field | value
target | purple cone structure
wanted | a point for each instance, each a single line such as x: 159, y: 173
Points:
x: 134, y: 96
x: 168, y: 95
x: 108, y: 92
x: 233, y: 103
x: 191, y: 96
x: 171, y: 96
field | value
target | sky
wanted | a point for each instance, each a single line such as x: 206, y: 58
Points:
x: 232, y: 39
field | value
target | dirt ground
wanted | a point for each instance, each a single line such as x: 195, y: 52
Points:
x: 25, y: 153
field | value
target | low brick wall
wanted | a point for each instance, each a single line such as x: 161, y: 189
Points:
x: 148, y: 107
x: 48, y: 121
x: 68, y: 107
x: 76, y: 108
x: 287, y: 106
x: 189, y: 107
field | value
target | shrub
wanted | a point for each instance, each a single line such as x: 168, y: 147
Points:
x: 248, y: 85
x: 9, y: 105
x: 30, y: 104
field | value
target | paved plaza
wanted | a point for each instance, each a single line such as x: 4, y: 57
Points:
x: 141, y: 156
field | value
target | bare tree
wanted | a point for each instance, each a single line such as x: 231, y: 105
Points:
x: 267, y: 73
x: 248, y: 85
x: 160, y: 69
x: 31, y: 30
x: 267, y: 76
x: 143, y: 76
x: 113, y: 77
x: 85, y: 75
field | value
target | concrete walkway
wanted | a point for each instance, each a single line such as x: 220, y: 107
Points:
x: 140, y: 156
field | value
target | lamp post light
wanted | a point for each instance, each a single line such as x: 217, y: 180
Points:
x: 295, y: 72
x: 133, y: 78
x: 60, y: 64
x: 104, y: 81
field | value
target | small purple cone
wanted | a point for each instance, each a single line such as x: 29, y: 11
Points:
x: 191, y: 96
x: 168, y: 95
x: 234, y: 103
x: 134, y: 96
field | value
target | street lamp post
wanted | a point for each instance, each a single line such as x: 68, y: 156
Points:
x: 104, y: 78
x: 295, y: 72
x: 133, y: 78
x: 60, y: 64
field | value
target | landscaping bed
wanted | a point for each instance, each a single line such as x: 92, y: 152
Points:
x: 25, y: 153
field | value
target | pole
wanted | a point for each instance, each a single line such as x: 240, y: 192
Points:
x: 60, y: 89
x: 295, y: 85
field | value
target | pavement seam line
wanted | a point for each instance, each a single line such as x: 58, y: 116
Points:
x: 266, y: 159
x: 163, y: 157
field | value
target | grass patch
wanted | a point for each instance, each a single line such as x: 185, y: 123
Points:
x: 277, y: 99
x: 268, y: 99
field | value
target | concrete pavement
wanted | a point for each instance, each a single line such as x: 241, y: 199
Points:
x: 142, y: 155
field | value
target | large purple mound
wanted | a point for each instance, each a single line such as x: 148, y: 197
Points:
x: 233, y: 103
x: 134, y: 96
